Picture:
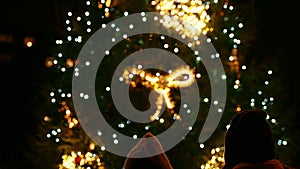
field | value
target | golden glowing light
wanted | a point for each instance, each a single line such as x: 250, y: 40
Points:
x: 187, y: 17
x: 29, y: 44
x: 80, y: 160
x: 72, y: 121
x: 100, y: 5
x: 92, y: 146
x: 107, y: 3
x: 238, y: 108
x: 69, y: 62
x: 217, y: 159
x: 161, y: 84
x: 29, y: 41
x: 46, y: 118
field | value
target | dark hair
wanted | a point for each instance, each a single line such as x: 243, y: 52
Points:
x: 249, y: 139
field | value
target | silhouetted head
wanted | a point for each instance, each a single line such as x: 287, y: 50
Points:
x: 249, y: 139
x: 159, y: 161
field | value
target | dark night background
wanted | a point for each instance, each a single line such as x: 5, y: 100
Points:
x: 41, y: 19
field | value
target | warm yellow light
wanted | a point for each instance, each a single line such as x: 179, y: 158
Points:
x: 107, y: 14
x: 92, y: 146
x: 29, y: 44
x: 238, y: 108
x: 75, y: 121
x: 46, y: 118
x: 68, y: 112
x: 162, y: 85
x: 100, y: 5
x: 29, y: 41
x: 79, y: 160
x: 107, y: 3
x: 217, y: 159
x: 69, y: 62
x: 71, y: 125
x: 187, y: 17
x: 49, y: 62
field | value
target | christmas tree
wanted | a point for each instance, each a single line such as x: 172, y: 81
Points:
x: 229, y: 26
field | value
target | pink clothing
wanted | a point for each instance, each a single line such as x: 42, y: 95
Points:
x: 270, y: 164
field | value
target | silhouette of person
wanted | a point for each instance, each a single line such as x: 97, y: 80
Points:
x: 159, y: 161
x: 249, y: 142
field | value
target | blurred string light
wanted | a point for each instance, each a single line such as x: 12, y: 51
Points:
x: 29, y: 41
x: 190, y: 19
x: 265, y: 102
x: 71, y: 37
x: 62, y: 62
x: 217, y: 159
x: 187, y: 17
x: 79, y: 160
x: 162, y: 84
